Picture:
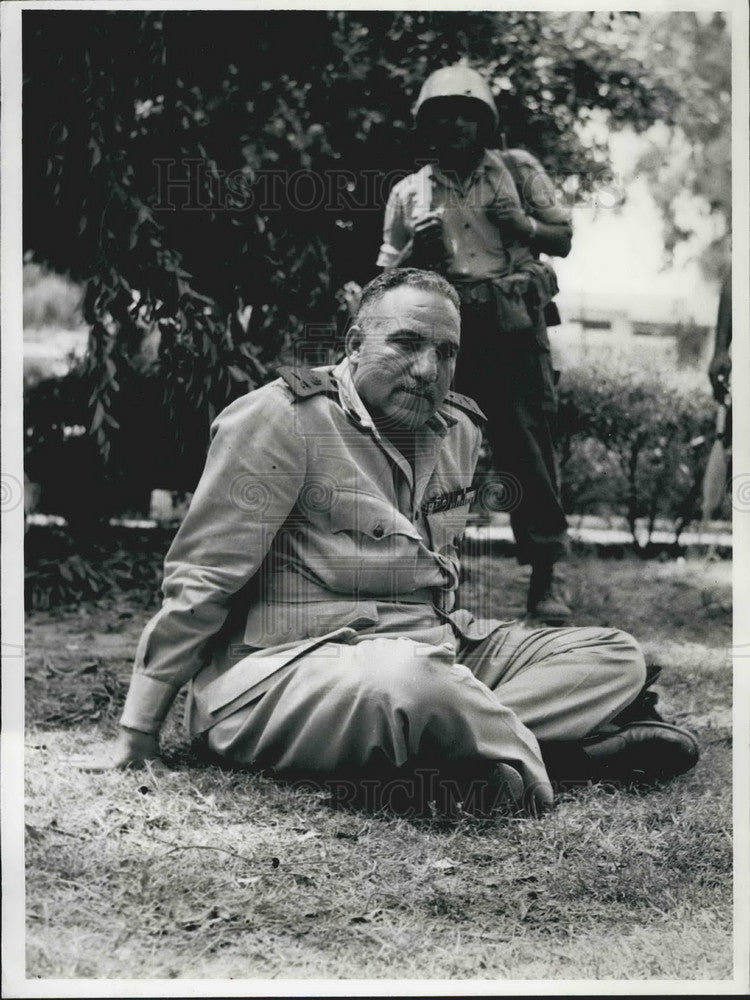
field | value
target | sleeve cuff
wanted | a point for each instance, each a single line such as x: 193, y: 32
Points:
x: 147, y: 703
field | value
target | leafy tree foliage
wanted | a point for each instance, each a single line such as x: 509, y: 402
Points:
x: 220, y: 175
x: 693, y: 155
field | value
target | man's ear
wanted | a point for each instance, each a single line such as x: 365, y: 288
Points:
x: 353, y: 342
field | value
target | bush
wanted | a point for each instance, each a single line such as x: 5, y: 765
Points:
x: 50, y: 300
x: 60, y: 572
x: 633, y: 444
x: 150, y: 447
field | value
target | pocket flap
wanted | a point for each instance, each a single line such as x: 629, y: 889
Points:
x: 369, y: 515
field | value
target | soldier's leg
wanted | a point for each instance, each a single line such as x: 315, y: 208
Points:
x: 524, y: 446
x: 538, y: 521
x: 345, y: 706
x: 510, y: 376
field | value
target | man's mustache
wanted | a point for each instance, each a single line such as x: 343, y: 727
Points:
x: 417, y: 389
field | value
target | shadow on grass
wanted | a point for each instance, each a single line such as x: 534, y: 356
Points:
x: 455, y: 792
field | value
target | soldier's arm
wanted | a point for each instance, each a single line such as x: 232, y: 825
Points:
x: 551, y: 238
x: 396, y: 247
x: 550, y: 229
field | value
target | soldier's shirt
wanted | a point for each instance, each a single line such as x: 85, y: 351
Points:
x: 475, y: 246
x: 307, y: 520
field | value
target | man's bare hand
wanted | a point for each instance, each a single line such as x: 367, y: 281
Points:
x: 510, y: 219
x: 131, y: 750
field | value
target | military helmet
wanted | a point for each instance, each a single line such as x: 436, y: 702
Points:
x: 456, y: 81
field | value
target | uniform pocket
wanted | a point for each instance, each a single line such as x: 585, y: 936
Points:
x: 510, y: 303
x: 365, y: 514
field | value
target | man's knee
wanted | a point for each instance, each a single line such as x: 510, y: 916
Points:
x: 405, y: 675
x: 612, y: 657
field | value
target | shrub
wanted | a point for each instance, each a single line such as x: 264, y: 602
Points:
x: 633, y: 444
x: 150, y: 447
x: 59, y: 571
x: 50, y: 300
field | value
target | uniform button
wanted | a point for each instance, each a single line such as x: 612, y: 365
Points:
x: 378, y: 531
x: 316, y: 380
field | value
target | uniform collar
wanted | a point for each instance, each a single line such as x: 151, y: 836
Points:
x: 349, y: 397
x: 352, y: 404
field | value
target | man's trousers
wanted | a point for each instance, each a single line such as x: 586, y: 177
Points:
x: 344, y: 705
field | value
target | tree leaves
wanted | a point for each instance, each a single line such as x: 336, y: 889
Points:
x: 187, y: 164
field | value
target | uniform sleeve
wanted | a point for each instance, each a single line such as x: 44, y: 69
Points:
x: 253, y: 475
x: 396, y: 233
x: 538, y: 194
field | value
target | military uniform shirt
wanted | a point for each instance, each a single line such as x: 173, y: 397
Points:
x: 305, y: 520
x: 475, y: 247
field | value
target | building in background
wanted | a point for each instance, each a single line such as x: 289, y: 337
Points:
x: 637, y: 330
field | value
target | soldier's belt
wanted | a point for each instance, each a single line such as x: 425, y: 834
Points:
x: 518, y: 298
x: 474, y: 292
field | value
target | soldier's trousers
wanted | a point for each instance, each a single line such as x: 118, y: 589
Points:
x: 511, y: 378
x: 346, y: 705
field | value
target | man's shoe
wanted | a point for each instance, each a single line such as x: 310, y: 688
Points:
x: 547, y: 599
x: 643, y: 706
x: 641, y: 751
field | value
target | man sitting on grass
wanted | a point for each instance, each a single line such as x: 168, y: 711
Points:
x: 309, y: 593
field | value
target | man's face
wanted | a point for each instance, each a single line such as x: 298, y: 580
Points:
x: 454, y: 125
x: 403, y: 356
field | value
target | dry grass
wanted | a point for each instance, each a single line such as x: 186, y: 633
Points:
x: 213, y: 874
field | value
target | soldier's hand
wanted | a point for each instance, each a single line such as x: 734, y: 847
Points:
x: 719, y: 371
x: 131, y: 750
x: 428, y: 246
x: 510, y: 219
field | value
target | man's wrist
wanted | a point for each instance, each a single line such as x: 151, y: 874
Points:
x: 147, y: 704
x: 532, y: 228
x: 131, y: 731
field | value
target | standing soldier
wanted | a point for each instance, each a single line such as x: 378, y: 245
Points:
x: 481, y: 217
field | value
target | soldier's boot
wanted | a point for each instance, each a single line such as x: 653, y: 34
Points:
x: 547, y: 600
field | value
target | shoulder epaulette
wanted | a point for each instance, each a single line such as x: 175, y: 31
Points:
x: 307, y: 382
x: 466, y: 404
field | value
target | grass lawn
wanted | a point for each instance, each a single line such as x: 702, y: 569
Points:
x: 215, y: 874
